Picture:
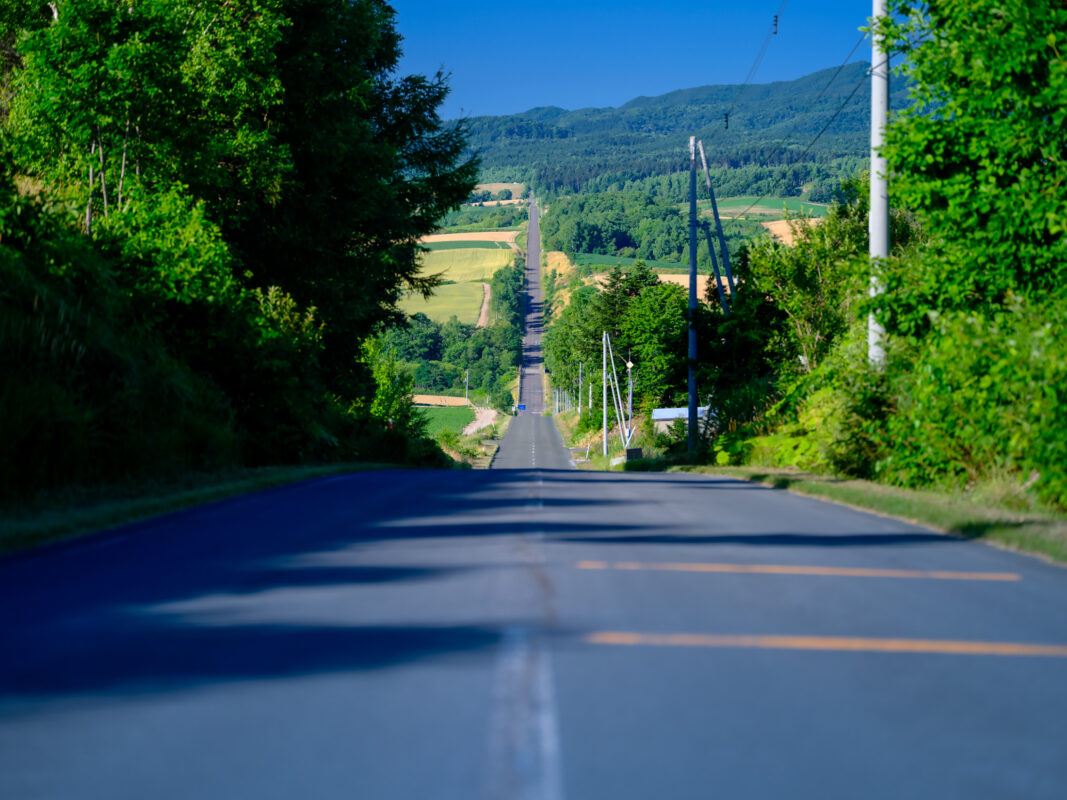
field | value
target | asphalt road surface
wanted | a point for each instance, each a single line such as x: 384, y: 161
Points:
x: 531, y: 386
x: 531, y: 633
x: 528, y: 632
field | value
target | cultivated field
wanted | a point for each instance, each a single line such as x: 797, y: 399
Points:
x: 516, y: 189
x: 455, y: 419
x: 467, y: 244
x: 467, y: 264
x: 439, y: 400
x: 477, y: 236
x: 783, y: 229
x: 463, y: 300
x: 775, y: 207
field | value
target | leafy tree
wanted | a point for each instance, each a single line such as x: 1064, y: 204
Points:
x: 656, y: 325
x: 979, y: 154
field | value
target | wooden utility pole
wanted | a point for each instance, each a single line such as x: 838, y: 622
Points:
x: 692, y: 440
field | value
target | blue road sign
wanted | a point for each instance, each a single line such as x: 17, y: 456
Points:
x: 522, y: 406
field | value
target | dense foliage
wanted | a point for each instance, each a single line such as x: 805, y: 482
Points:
x: 452, y: 358
x: 974, y: 383
x: 216, y: 204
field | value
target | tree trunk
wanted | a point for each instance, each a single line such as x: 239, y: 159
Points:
x: 92, y: 188
x: 122, y: 172
x: 103, y: 172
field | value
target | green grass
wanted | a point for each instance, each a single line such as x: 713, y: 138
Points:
x: 73, y: 512
x: 464, y: 300
x: 778, y: 205
x: 468, y: 245
x: 594, y: 260
x: 451, y: 418
x: 466, y: 264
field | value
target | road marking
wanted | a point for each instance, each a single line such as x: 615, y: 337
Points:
x: 524, y: 753
x: 787, y: 569
x: 834, y: 643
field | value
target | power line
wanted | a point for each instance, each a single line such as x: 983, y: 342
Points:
x: 753, y: 69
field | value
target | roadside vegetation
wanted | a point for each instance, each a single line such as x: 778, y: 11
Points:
x: 193, y: 251
x: 968, y: 404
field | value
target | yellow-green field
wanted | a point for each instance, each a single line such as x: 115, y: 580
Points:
x: 465, y: 264
x: 464, y: 300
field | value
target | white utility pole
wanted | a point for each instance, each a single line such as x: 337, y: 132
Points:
x: 580, y: 365
x: 466, y: 387
x: 878, y: 226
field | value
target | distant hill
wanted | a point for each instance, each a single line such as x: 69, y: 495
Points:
x: 769, y: 125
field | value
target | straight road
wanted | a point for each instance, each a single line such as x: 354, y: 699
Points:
x: 531, y: 633
x: 531, y: 389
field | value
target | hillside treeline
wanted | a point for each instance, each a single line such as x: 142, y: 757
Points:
x: 972, y: 389
x: 452, y: 357
x: 205, y: 209
x: 772, y: 126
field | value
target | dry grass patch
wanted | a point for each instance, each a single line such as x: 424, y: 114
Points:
x: 516, y: 189
x: 785, y: 230
x: 481, y: 236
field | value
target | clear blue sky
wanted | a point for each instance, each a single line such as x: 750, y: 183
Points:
x: 506, y: 57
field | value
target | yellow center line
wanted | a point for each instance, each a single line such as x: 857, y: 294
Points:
x: 832, y: 643
x: 787, y: 569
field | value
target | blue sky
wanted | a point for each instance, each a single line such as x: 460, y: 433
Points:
x: 510, y: 56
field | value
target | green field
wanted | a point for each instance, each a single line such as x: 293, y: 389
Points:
x: 770, y: 206
x: 465, y: 264
x: 595, y: 260
x: 466, y: 245
x: 455, y: 419
x: 463, y: 300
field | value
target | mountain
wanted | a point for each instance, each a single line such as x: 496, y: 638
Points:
x: 770, y: 125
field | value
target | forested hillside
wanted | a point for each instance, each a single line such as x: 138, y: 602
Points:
x: 206, y: 209
x: 770, y: 126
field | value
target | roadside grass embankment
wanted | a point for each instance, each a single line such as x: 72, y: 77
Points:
x: 70, y: 513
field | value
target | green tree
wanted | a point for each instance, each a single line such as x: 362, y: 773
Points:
x: 979, y: 154
x: 657, y: 327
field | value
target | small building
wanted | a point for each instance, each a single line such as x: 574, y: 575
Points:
x: 662, y: 418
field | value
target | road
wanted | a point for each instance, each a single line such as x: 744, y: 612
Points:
x: 530, y: 631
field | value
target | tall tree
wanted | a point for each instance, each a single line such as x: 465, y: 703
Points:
x: 980, y: 153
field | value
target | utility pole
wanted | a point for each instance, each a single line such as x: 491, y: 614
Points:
x: 580, y: 365
x: 692, y: 443
x: 604, y: 386
x: 878, y: 224
x: 466, y: 387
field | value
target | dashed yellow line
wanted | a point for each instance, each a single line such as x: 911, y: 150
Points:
x: 787, y: 569
x: 829, y: 643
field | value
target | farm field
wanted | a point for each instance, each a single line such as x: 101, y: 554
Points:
x: 593, y: 259
x: 766, y: 207
x: 782, y: 229
x: 516, y: 189
x: 466, y: 264
x: 467, y: 244
x: 463, y: 300
x: 440, y: 419
x: 473, y: 236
